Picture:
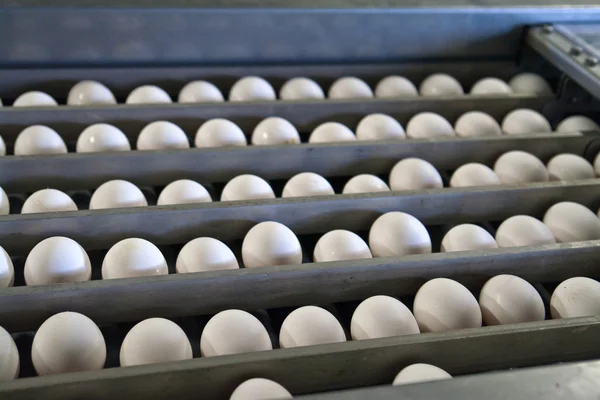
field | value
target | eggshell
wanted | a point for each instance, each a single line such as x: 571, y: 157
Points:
x: 379, y: 127
x: 252, y: 88
x: 270, y: 243
x: 233, y: 332
x: 341, y: 245
x: 308, y: 326
x: 39, y: 139
x: 200, y: 92
x: 474, y: 174
x: 259, y: 389
x: 162, y: 135
x: 382, y: 316
x: 133, y: 257
x: 4, y: 203
x: 365, y: 183
x: 572, y: 222
x: 476, y: 123
x: 301, y: 89
x: 350, y: 87
x: 523, y: 230
x: 275, y: 130
x: 569, y: 167
x: 493, y: 86
x: 307, y: 184
x: 331, y: 132
x: 576, y: 297
x: 2, y: 147
x: 219, y: 132
x: 441, y: 85
x: 90, y: 93
x: 247, y: 187
x: 398, y: 234
x: 528, y: 83
x: 205, y: 254
x: 102, y: 137
x: 148, y: 94
x: 467, y: 237
x: 417, y: 373
x: 577, y: 123
x: 48, y: 200
x: 524, y: 121
x: 428, y: 125
x: 518, y: 167
x: 183, y: 191
x: 9, y: 357
x: 57, y: 259
x: 7, y: 271
x: 35, y: 99
x: 117, y: 194
x: 395, y: 86
x: 414, y: 174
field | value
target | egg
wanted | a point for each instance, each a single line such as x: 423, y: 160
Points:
x: 90, y: 93
x: 418, y: 373
x: 492, y: 86
x: 309, y: 326
x: 301, y: 89
x: 576, y: 297
x: 162, y: 135
x: 259, y: 389
x: 117, y: 194
x: 10, y: 364
x: 2, y: 147
x: 154, y: 340
x: 365, y: 183
x: 524, y: 121
x: 577, y: 123
x: 275, y: 130
x: 48, y: 200
x: 4, y: 203
x: 476, y: 123
x: 307, y: 184
x: 219, y: 132
x: 35, y: 99
x: 474, y: 174
x: 467, y: 237
x: 382, y: 316
x: 183, y: 191
x: 38, y: 140
x: 270, y: 243
x: 428, y: 125
x: 379, y: 127
x: 200, y: 92
x: 523, y: 230
x: 518, y: 167
x: 528, y: 83
x: 68, y: 342
x: 398, y: 234
x: 7, y: 271
x: 508, y: 299
x: 441, y: 85
x: 102, y: 137
x: 57, y: 259
x: 205, y: 254
x: 572, y: 222
x: 234, y: 332
x: 569, y: 167
x: 414, y: 174
x: 252, y: 88
x: 339, y: 245
x: 247, y: 187
x: 148, y: 94
x: 442, y: 305
x: 395, y: 86
x: 331, y: 132
x: 133, y: 257
x: 350, y: 87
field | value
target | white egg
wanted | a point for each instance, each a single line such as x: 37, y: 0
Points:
x: 395, y: 86
x: 340, y: 245
x: 570, y: 167
x: 48, y: 200
x: 331, y: 132
x: 35, y: 99
x: 183, y: 191
x: 508, y: 299
x: 528, y: 83
x: 7, y: 271
x: 518, y: 167
x: 57, y: 259
x: 414, y: 174
x: 252, y: 88
x: 428, y: 125
x: 474, y: 174
x: 68, y: 342
x: 275, y: 130
x: 350, y: 87
x: 132, y: 258
x: 418, y: 373
x: 441, y: 85
x: 523, y: 230
x: 1, y: 103
x: 247, y: 187
x: 10, y: 364
x: 260, y: 389
x: 205, y: 254
x: 148, y: 94
x: 219, y: 132
x: 467, y: 237
x: 37, y: 140
x: 476, y: 123
x: 162, y: 135
x: 398, y: 234
x: 576, y: 297
x: 577, y: 123
x: 270, y: 243
x: 4, y: 203
x: 524, y: 121
x: 382, y: 316
x: 2, y: 147
x: 309, y: 326
x: 307, y: 184
x: 234, y: 332
x: 90, y: 93
x: 102, y: 137
x: 117, y: 194
x: 154, y: 340
x: 491, y: 86
x: 572, y: 222
x: 200, y: 92
x: 301, y: 89
x: 365, y: 183
x: 443, y: 305
x: 379, y: 127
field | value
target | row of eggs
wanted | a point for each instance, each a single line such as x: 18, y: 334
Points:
x: 254, y: 88
x: 60, y: 259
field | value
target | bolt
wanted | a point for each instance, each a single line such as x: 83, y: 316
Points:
x: 591, y: 61
x: 547, y: 29
x: 575, y: 51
